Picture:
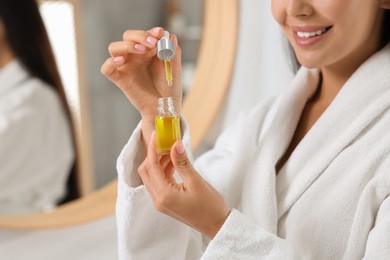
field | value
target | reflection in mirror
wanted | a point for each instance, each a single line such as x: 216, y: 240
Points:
x: 62, y: 23
x: 37, y: 152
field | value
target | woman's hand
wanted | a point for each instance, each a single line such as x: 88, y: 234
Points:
x: 194, y: 201
x: 136, y: 70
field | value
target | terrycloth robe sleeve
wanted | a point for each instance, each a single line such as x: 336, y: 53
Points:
x: 143, y: 232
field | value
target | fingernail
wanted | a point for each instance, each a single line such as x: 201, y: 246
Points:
x: 180, y: 148
x: 118, y: 60
x: 151, y: 40
x: 140, y: 47
x: 156, y: 31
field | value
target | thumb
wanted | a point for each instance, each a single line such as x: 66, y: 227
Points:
x: 176, y: 61
x: 181, y: 162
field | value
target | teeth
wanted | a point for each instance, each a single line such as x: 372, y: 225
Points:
x: 310, y: 34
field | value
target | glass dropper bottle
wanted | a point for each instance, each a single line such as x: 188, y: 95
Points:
x: 165, y: 52
x: 167, y: 124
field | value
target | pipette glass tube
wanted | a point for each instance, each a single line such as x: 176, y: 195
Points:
x: 168, y: 72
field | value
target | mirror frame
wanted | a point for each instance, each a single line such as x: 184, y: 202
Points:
x: 201, y: 105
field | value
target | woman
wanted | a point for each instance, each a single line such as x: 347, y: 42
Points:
x: 303, y: 175
x: 36, y: 149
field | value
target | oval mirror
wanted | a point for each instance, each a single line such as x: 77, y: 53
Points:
x: 201, y: 104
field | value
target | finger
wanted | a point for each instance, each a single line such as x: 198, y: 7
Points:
x: 167, y: 167
x: 174, y: 39
x: 123, y: 48
x: 157, y: 32
x: 110, y: 66
x: 153, y: 162
x: 144, y: 174
x: 165, y: 160
x: 182, y: 163
x: 169, y: 171
x: 145, y: 38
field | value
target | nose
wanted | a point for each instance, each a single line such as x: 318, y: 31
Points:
x: 299, y: 8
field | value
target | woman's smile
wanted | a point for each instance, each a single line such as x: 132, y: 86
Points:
x: 307, y: 36
x: 331, y: 34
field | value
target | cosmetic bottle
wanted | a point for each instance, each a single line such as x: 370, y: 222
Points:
x: 167, y: 124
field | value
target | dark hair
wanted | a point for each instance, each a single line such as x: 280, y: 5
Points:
x: 28, y: 40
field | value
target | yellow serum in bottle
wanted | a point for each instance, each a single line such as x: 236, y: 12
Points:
x: 167, y: 124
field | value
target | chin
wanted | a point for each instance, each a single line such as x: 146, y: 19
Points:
x: 308, y: 63
x: 309, y: 66
x: 308, y: 59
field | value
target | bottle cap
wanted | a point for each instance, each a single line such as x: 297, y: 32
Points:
x: 165, y: 47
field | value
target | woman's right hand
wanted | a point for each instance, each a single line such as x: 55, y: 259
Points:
x: 136, y: 70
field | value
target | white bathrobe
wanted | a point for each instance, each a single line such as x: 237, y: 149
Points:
x: 329, y: 201
x: 36, y: 150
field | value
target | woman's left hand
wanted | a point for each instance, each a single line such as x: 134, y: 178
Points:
x: 194, y: 201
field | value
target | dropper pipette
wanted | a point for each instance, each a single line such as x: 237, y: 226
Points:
x: 165, y: 52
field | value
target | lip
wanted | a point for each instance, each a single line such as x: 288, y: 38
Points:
x: 311, y: 41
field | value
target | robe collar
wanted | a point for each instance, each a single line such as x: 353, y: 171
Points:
x: 361, y: 100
